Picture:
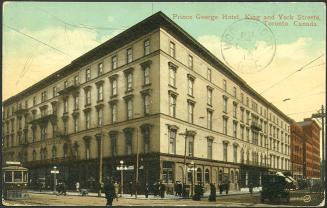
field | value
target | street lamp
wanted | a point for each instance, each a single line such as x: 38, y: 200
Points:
x: 54, y: 171
x: 121, y: 168
x: 192, y: 168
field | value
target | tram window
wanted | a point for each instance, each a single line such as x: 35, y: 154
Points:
x: 8, y: 177
x: 25, y: 176
x: 17, y: 176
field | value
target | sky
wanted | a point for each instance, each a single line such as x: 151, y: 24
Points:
x: 294, y: 36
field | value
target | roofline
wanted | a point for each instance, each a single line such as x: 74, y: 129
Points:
x: 159, y: 19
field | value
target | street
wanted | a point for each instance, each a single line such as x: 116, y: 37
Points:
x: 39, y: 199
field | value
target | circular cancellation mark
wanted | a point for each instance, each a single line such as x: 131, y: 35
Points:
x: 248, y: 46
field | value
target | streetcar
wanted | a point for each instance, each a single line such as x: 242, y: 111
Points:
x: 14, y: 180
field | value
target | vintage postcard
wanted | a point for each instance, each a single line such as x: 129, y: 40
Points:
x: 163, y: 104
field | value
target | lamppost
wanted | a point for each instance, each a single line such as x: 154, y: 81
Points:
x: 54, y: 171
x: 121, y: 168
x: 192, y: 168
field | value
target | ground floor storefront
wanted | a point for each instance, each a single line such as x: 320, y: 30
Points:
x: 153, y: 167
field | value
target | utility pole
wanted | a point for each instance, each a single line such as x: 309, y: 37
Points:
x: 322, y: 115
x: 185, y: 171
x: 137, y: 161
x: 100, y: 162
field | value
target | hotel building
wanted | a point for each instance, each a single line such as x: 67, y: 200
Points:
x: 153, y: 90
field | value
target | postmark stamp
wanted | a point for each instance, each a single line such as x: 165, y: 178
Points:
x: 248, y: 46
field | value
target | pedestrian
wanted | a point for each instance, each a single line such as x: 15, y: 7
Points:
x: 116, y: 189
x: 77, y: 187
x: 221, y: 188
x: 227, y: 187
x: 130, y: 185
x: 250, y: 188
x: 146, y: 191
x: 197, y: 193
x: 162, y: 188
x: 109, y: 190
x: 64, y: 188
x: 212, y: 196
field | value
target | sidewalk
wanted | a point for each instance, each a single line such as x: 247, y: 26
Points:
x: 167, y: 196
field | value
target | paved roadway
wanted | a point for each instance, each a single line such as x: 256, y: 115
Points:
x: 38, y: 199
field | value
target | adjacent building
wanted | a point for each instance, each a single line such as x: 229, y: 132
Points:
x: 311, y: 148
x: 297, y: 153
x: 153, y: 90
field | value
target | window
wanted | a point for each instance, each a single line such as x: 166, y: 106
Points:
x: 207, y: 176
x: 172, y: 76
x: 190, y: 145
x: 190, y: 112
x: 242, y: 97
x: 235, y: 129
x: 247, y: 134
x: 242, y: 115
x: 87, y: 149
x: 113, y: 138
x: 129, y: 137
x: 146, y: 75
x: 209, y: 147
x: 172, y: 141
x: 100, y: 117
x: 88, y: 97
x: 114, y: 64
x: 76, y: 80
x: 66, y: 105
x: 225, y: 151
x: 43, y: 96
x: 76, y: 102
x: 225, y: 104
x: 234, y: 110
x: 129, y: 109
x: 88, y: 74
x: 146, y: 47
x: 209, y: 121
x: 247, y: 101
x: 129, y: 81
x: 209, y: 74
x: 100, y: 92
x: 146, y: 139
x: 114, y: 87
x: 209, y: 96
x: 65, y: 127
x: 167, y: 172
x: 172, y: 49
x: 75, y: 125
x: 190, y: 86
x: 87, y: 120
x: 172, y: 105
x: 129, y: 55
x: 224, y: 85
x: 234, y: 92
x: 235, y: 153
x: 100, y: 69
x: 54, y: 152
x: 190, y: 62
x: 114, y: 113
x: 54, y: 91
x: 242, y: 132
x: 224, y: 125
x: 146, y: 104
x: 34, y: 155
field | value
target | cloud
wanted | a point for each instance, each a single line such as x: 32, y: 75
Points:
x: 287, y: 59
x: 26, y: 61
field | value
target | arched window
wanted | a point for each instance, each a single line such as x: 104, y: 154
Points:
x: 45, y: 152
x: 242, y: 155
x: 34, y: 155
x: 54, y: 152
x: 207, y: 176
x: 199, y: 176
x: 247, y: 157
x: 232, y: 176
x: 76, y: 149
x: 65, y: 150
